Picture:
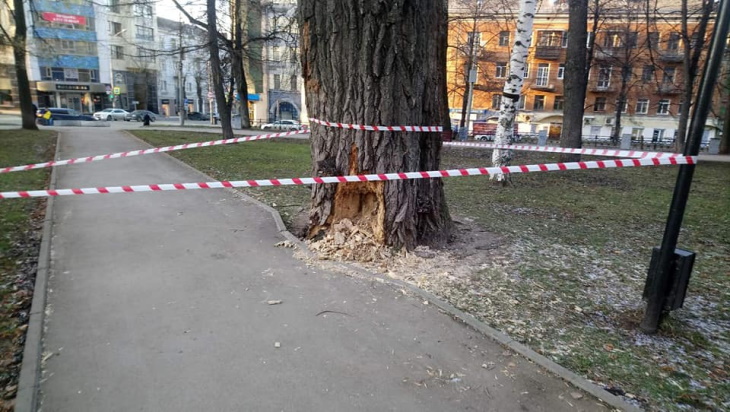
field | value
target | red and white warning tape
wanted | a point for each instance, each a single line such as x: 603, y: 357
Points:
x: 554, y: 149
x: 147, y: 151
x: 551, y: 167
x: 378, y: 128
x: 549, y: 149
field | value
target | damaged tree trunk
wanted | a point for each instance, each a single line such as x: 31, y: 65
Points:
x: 377, y: 63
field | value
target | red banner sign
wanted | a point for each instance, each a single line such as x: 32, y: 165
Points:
x: 63, y: 18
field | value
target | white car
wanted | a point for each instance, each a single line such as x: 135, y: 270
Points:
x: 283, y: 125
x: 111, y: 114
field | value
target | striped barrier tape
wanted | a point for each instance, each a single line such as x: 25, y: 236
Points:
x: 550, y: 167
x: 378, y: 128
x: 554, y: 149
x: 550, y: 149
x: 147, y: 151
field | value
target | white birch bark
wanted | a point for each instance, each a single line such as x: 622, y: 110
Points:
x: 513, y: 85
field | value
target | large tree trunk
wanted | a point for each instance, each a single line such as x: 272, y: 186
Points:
x: 576, y: 78
x: 377, y: 63
x: 19, y: 51
x: 216, y: 76
x: 513, y: 85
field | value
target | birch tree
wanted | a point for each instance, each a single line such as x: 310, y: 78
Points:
x: 513, y: 85
x: 377, y: 63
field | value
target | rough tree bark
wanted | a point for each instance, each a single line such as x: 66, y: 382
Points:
x: 19, y: 52
x: 513, y: 85
x: 216, y: 76
x: 377, y: 63
x: 576, y: 78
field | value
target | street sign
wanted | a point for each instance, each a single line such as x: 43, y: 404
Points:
x: 117, y: 91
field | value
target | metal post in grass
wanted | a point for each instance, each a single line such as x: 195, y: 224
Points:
x: 660, y: 282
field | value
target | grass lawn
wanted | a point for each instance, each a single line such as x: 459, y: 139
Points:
x: 567, y: 276
x: 20, y: 224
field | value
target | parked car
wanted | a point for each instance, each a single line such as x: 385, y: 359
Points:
x: 111, y: 114
x: 198, y: 116
x: 60, y: 113
x: 138, y: 115
x: 282, y: 125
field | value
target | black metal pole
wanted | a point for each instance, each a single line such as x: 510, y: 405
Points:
x: 662, y: 277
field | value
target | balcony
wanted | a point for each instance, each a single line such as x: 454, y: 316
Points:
x: 609, y: 54
x: 673, y: 56
x: 601, y: 89
x: 669, y: 89
x: 542, y: 86
x: 548, y: 52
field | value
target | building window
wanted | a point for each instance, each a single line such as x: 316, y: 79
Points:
x: 632, y: 38
x: 589, y: 37
x: 143, y: 10
x: 668, y: 78
x: 115, y: 28
x: 647, y: 74
x: 604, y: 77
x: 539, y: 103
x: 145, y: 33
x: 117, y: 52
x: 612, y: 40
x: 521, y: 102
x: 277, y: 82
x: 501, y: 70
x: 163, y: 85
x: 663, y: 107
x: 653, y: 39
x: 57, y: 73
x: 114, y: 6
x: 550, y: 38
x: 642, y: 106
x: 526, y: 73
x: 658, y: 135
x: 559, y: 103
x: 543, y: 74
x: 625, y: 107
x: 637, y: 133
x: 474, y: 38
x: 504, y: 38
x: 673, y: 41
x: 276, y: 53
x: 600, y: 104
x: 496, y: 101
x: 293, y: 86
x: 561, y: 71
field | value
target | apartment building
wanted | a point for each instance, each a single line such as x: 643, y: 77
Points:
x: 127, y: 52
x: 62, y: 60
x: 182, y: 44
x: 282, y: 81
x: 636, y: 69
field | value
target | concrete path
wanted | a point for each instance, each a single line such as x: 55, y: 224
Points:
x: 158, y: 302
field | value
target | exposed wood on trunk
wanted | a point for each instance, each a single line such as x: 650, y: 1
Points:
x: 377, y: 63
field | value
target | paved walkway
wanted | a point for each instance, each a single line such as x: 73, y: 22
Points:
x: 158, y: 302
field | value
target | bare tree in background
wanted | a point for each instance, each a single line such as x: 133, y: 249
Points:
x: 19, y: 43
